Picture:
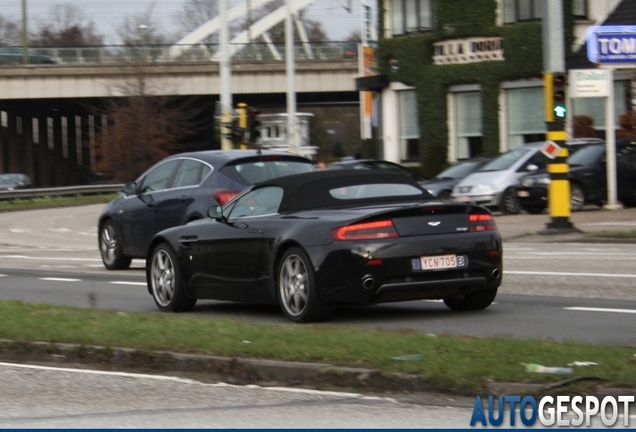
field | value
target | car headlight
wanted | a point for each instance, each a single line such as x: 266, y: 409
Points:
x: 485, y: 188
x: 529, y: 182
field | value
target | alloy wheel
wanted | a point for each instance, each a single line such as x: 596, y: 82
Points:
x: 108, y: 245
x: 293, y: 285
x: 162, y: 278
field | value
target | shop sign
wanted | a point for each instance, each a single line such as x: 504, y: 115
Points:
x: 470, y: 50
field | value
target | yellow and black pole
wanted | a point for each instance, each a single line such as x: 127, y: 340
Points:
x: 558, y: 168
x: 242, y: 123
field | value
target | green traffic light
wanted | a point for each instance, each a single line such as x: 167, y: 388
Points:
x: 559, y: 111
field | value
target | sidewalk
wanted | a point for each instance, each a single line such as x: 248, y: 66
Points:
x: 592, y: 222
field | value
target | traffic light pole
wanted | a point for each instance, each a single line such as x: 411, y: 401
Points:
x: 555, y: 113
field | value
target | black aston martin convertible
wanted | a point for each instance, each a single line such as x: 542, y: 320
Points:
x: 313, y: 241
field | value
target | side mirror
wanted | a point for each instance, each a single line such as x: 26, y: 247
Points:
x: 130, y: 188
x: 216, y: 212
x: 532, y: 167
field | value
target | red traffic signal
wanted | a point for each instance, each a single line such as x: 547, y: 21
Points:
x: 254, y: 125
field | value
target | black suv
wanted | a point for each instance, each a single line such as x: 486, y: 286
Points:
x: 588, y: 179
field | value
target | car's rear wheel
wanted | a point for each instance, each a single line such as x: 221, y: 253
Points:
x: 509, y: 202
x: 577, y: 197
x: 297, y: 291
x: 445, y: 196
x: 472, y: 301
x: 533, y: 209
x: 110, y: 248
x: 166, y: 282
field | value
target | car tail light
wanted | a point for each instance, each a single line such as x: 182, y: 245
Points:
x: 481, y: 222
x: 366, y: 231
x: 222, y: 196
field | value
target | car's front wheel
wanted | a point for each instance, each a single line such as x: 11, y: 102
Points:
x: 473, y: 301
x: 166, y: 282
x: 297, y: 291
x: 577, y: 197
x: 110, y: 248
x: 509, y: 203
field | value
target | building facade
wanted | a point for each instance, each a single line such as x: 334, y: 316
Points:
x: 464, y: 78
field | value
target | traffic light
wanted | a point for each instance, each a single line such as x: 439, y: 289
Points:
x: 559, y: 96
x: 254, y: 125
x: 238, y: 133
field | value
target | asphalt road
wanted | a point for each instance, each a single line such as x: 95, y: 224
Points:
x: 557, y: 291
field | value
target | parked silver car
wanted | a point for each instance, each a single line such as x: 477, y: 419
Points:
x: 493, y: 185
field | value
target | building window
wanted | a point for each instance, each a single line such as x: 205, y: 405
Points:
x: 468, y: 120
x: 595, y: 108
x: 409, y: 126
x: 526, y: 116
x: 411, y: 16
x: 521, y: 10
x: 579, y: 9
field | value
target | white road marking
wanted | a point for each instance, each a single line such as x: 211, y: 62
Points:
x: 59, y: 229
x: 60, y: 279
x: 3, y: 275
x: 623, y: 223
x: 47, y: 258
x: 127, y: 283
x: 588, y: 309
x: 191, y: 381
x: 570, y: 274
x: 19, y: 230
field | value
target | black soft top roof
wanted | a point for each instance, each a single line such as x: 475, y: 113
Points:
x: 311, y: 190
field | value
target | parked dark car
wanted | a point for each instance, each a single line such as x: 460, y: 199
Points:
x: 180, y: 189
x: 310, y: 242
x: 14, y: 181
x: 588, y: 179
x: 442, y: 185
x: 374, y: 164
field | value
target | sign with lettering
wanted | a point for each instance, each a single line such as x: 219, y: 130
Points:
x: 611, y: 44
x: 589, y: 83
x: 470, y: 50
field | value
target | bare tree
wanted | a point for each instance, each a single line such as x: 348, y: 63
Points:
x: 195, y: 13
x: 10, y: 32
x: 67, y: 25
x: 142, y: 29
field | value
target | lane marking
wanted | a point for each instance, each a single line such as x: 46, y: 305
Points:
x: 191, y: 381
x: 60, y: 279
x: 570, y: 274
x: 59, y: 229
x: 19, y: 230
x: 624, y: 223
x: 47, y: 258
x: 3, y: 275
x: 127, y: 283
x: 588, y: 309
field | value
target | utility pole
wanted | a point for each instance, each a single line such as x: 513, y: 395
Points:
x: 292, y: 135
x: 25, y: 34
x: 555, y: 112
x: 225, y: 74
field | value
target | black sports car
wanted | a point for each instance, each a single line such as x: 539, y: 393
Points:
x: 313, y: 241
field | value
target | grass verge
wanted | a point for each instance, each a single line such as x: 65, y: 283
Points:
x: 615, y: 234
x: 54, y: 201
x: 452, y: 362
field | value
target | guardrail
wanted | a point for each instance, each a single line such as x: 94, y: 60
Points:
x: 61, y: 191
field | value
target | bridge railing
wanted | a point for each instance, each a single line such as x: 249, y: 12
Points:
x: 61, y: 191
x: 118, y: 54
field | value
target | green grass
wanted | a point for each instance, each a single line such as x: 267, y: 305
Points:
x: 54, y: 201
x: 614, y: 234
x: 448, y: 361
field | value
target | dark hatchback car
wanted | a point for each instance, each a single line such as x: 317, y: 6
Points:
x: 179, y: 189
x: 588, y: 179
x: 442, y: 185
x: 14, y: 181
x: 375, y: 164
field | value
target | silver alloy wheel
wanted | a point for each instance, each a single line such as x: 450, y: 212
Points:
x: 510, y: 202
x: 162, y: 278
x: 577, y: 198
x: 108, y: 245
x: 293, y: 285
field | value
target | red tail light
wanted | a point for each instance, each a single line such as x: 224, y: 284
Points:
x: 366, y: 231
x: 481, y: 222
x: 222, y: 196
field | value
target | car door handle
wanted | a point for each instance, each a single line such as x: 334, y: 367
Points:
x: 188, y: 239
x: 254, y: 231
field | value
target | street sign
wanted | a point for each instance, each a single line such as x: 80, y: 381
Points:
x: 550, y: 149
x: 585, y: 83
x: 611, y: 44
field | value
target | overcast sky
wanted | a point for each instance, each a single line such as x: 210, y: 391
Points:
x: 109, y: 14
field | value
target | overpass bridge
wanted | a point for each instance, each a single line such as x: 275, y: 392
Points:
x: 45, y: 122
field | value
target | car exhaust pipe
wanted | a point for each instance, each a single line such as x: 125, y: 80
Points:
x: 496, y: 273
x: 368, y: 282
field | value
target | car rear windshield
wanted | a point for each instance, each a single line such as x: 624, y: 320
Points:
x: 376, y: 190
x: 252, y: 172
x: 505, y: 161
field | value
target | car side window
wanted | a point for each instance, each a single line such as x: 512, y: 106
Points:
x: 538, y: 159
x: 259, y: 202
x: 158, y: 177
x: 189, y: 173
